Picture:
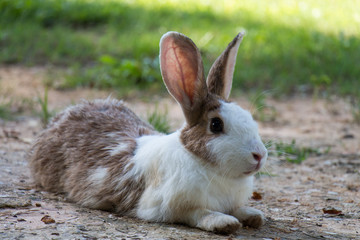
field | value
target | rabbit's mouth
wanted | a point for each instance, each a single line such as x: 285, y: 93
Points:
x: 254, y: 169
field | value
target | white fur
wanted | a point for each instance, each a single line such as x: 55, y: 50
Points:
x: 121, y: 147
x: 186, y: 183
x: 234, y: 148
x: 97, y: 177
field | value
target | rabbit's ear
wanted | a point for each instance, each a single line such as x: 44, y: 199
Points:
x: 182, y: 71
x: 219, y: 80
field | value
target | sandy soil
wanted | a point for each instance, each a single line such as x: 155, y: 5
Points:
x: 317, y: 199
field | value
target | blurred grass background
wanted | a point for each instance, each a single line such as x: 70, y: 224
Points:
x: 291, y: 47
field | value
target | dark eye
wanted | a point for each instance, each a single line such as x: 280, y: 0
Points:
x: 216, y: 125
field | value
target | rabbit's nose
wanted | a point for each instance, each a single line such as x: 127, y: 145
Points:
x: 257, y: 156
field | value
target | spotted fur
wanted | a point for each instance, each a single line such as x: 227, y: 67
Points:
x: 78, y: 154
x: 103, y: 156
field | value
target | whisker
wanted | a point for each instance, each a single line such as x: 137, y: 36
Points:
x: 257, y: 97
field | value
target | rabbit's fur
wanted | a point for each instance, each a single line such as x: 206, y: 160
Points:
x: 103, y: 156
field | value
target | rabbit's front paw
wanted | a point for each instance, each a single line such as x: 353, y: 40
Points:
x: 218, y: 222
x: 250, y: 217
x: 254, y: 221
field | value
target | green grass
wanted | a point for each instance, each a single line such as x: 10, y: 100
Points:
x: 290, y: 46
x: 159, y: 120
x: 13, y: 107
x: 292, y: 153
x: 45, y: 113
x: 124, y: 75
x: 355, y: 109
x: 5, y: 112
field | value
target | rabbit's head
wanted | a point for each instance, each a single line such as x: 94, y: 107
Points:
x: 220, y: 133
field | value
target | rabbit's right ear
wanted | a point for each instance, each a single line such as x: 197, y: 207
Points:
x: 183, y: 74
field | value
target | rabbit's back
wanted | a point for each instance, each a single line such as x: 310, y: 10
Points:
x: 86, y: 152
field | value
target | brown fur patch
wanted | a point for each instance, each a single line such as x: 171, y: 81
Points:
x: 77, y: 142
x: 195, y: 137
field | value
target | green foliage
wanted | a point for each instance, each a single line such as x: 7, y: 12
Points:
x: 356, y: 111
x: 5, y: 112
x: 319, y: 83
x: 292, y: 153
x: 31, y: 44
x: 52, y: 12
x: 123, y: 75
x: 45, y: 114
x: 159, y: 120
x: 289, y: 45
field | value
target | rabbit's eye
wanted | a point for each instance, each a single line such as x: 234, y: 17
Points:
x: 216, y: 125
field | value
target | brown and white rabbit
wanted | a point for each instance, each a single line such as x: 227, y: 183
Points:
x: 104, y: 157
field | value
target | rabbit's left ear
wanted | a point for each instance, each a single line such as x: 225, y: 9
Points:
x: 219, y: 80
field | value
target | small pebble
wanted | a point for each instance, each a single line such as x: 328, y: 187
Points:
x: 47, y: 219
x: 348, y: 136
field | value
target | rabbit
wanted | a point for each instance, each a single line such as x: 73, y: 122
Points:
x: 102, y: 156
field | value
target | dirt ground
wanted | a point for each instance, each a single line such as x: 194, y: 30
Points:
x: 317, y: 199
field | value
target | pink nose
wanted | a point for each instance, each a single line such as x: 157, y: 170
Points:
x: 257, y: 156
